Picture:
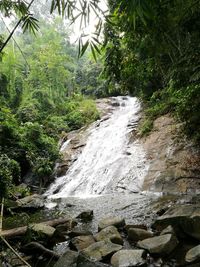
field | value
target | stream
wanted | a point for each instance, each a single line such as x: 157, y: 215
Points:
x: 109, y: 172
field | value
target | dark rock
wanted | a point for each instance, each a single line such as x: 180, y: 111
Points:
x: 162, y: 245
x: 110, y: 232
x: 82, y: 242
x: 129, y: 258
x: 86, y: 216
x: 68, y: 259
x: 84, y: 262
x: 100, y: 250
x: 66, y: 227
x: 193, y: 255
x: 136, y: 234
x: 115, y: 221
x: 139, y: 226
x: 182, y: 218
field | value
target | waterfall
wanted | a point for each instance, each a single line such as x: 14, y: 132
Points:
x: 110, y: 162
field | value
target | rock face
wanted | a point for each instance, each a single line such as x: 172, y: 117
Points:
x: 193, y: 254
x: 136, y: 234
x: 161, y: 245
x: 184, y: 217
x: 115, y: 221
x: 68, y: 259
x: 128, y: 258
x: 110, y: 232
x: 82, y: 242
x: 100, y: 250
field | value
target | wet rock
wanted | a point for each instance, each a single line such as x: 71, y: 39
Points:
x: 161, y: 245
x: 84, y: 262
x: 86, y: 216
x: 110, y: 232
x: 100, y: 250
x: 193, y: 254
x: 128, y: 258
x: 184, y: 217
x: 115, y: 221
x: 115, y: 104
x: 168, y: 230
x: 41, y: 230
x: 78, y: 232
x: 136, y: 234
x: 68, y: 259
x: 82, y: 242
x: 66, y: 227
x: 62, y: 168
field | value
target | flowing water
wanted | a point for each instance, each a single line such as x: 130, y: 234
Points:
x: 109, y: 162
x: 108, y: 174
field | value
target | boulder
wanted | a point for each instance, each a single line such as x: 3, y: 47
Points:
x: 78, y: 232
x: 31, y: 202
x: 82, y: 242
x: 136, y: 234
x: 66, y: 227
x: 110, y: 232
x: 100, y: 250
x: 182, y: 218
x: 161, y: 245
x: 40, y: 230
x: 115, y: 221
x: 139, y: 226
x: 86, y: 216
x: 128, y: 258
x: 168, y: 230
x: 68, y: 259
x: 84, y: 262
x: 193, y: 254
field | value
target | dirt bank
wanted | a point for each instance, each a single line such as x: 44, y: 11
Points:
x: 174, y: 161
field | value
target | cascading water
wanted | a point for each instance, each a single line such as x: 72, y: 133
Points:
x: 110, y: 162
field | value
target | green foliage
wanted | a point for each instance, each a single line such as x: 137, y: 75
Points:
x: 146, y: 127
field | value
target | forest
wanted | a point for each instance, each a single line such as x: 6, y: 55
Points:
x: 148, y: 49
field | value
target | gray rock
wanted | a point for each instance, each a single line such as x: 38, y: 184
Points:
x: 66, y: 227
x: 182, y: 217
x: 110, y: 232
x: 41, y: 230
x: 84, y: 262
x: 128, y: 258
x: 78, y: 232
x: 168, y: 230
x: 68, y: 259
x: 161, y: 245
x: 115, y: 221
x: 139, y: 226
x: 193, y: 254
x: 82, y: 242
x: 31, y: 202
x: 136, y: 234
x: 100, y: 250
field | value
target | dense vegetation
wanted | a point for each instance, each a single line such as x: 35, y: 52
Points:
x: 151, y: 49
x: 40, y: 98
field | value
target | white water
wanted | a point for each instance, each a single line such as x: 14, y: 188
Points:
x: 109, y: 163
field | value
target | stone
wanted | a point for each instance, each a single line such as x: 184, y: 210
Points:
x: 41, y: 230
x: 33, y: 202
x: 82, y: 242
x: 128, y: 258
x: 84, y: 262
x: 68, y: 259
x: 86, y: 216
x: 136, y: 234
x: 66, y: 227
x: 78, y: 232
x: 100, y: 250
x: 110, y: 232
x: 185, y: 218
x: 139, y: 226
x: 115, y: 221
x: 162, y: 245
x: 193, y: 254
x: 168, y: 230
